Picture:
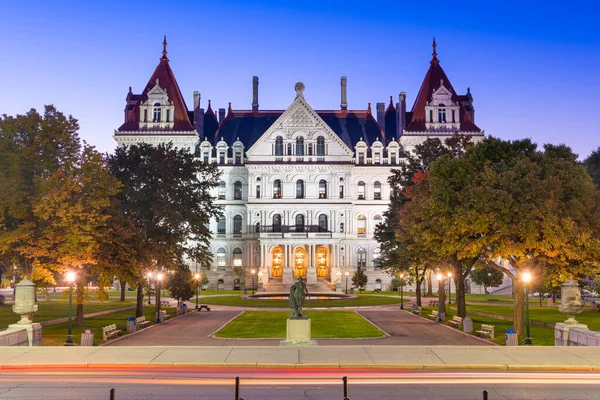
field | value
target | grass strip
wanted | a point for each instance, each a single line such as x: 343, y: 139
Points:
x: 362, y: 300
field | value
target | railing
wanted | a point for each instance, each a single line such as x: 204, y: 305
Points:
x: 292, y: 229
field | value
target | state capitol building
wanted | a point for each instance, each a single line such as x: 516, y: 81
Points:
x: 302, y: 189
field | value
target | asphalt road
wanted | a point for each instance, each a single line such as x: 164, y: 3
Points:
x: 294, y: 384
x: 195, y: 328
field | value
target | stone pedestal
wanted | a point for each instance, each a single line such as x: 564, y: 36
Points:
x: 561, y: 332
x: 298, y: 333
x: 550, y: 302
x: 467, y: 325
x: 34, y: 332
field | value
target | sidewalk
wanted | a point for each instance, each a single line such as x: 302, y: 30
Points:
x: 363, y: 357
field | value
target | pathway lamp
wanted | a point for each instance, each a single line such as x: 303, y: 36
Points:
x: 526, y: 280
x: 253, y: 271
x: 70, y: 280
x: 401, y: 291
x: 197, y: 286
x: 347, y: 273
x: 159, y: 277
x: 440, y: 278
x: 149, y: 287
x: 449, y: 287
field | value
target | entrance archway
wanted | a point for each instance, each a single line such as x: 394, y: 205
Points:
x: 300, y: 262
x: 277, y: 262
x: 323, y: 262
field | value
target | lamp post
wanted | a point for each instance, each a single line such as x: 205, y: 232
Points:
x: 526, y: 279
x: 70, y: 279
x: 402, y: 291
x: 159, y: 277
x: 440, y: 278
x: 449, y: 287
x: 347, y: 273
x: 253, y: 271
x: 149, y: 287
x: 197, y: 285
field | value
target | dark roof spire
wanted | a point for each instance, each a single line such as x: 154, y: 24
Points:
x: 434, y: 59
x: 164, y: 56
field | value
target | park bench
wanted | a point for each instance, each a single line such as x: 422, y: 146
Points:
x: 141, y: 322
x: 433, y: 316
x: 434, y: 303
x: 376, y: 290
x: 415, y: 309
x: 456, y: 322
x: 110, y: 331
x: 204, y: 306
x: 165, y: 303
x: 486, y: 331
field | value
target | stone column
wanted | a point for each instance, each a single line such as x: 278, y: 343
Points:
x: 288, y: 276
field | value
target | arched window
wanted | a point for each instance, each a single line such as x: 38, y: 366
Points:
x: 320, y: 146
x: 322, y: 189
x: 237, y: 257
x: 221, y: 257
x: 221, y: 225
x: 361, y: 190
x: 376, y: 255
x: 300, y: 146
x: 299, y: 223
x: 237, y: 190
x: 279, y: 146
x: 156, y: 112
x: 361, y: 258
x: 277, y: 189
x: 222, y: 190
x: 377, y: 190
x: 276, y: 223
x: 299, y: 189
x: 322, y: 223
x: 441, y: 113
x: 361, y: 224
x: 237, y: 225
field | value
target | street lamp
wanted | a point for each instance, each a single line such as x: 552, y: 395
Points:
x: 253, y: 271
x: 70, y: 279
x: 159, y: 277
x: 526, y: 279
x: 440, y: 278
x: 347, y: 273
x: 149, y: 287
x: 197, y: 285
x: 402, y: 291
x: 449, y: 287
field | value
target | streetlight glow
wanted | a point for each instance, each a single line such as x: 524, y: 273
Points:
x: 159, y: 276
x: 440, y: 277
x: 526, y: 276
x: 70, y: 276
x: 449, y: 274
x: 197, y: 276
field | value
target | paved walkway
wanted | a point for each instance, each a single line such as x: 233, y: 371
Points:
x: 363, y: 357
x: 195, y: 328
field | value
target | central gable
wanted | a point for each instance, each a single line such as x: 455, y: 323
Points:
x: 299, y: 120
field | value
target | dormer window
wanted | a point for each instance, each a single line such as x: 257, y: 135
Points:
x: 156, y: 112
x: 441, y: 113
x: 279, y: 146
x: 320, y: 146
x: 300, y: 146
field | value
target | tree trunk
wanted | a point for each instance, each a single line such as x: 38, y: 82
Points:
x: 461, y: 305
x: 429, y: 284
x: 79, y: 319
x: 139, y: 305
x: 442, y: 297
x: 79, y: 295
x: 123, y: 287
x: 519, y: 300
x: 418, y: 291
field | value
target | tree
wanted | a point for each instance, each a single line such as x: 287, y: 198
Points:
x: 487, y: 276
x: 181, y: 285
x: 166, y: 196
x: 592, y: 163
x: 359, y: 279
x: 240, y: 273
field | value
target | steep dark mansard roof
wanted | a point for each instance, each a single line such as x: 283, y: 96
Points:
x: 249, y: 126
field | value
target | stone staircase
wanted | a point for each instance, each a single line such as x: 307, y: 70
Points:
x: 276, y: 285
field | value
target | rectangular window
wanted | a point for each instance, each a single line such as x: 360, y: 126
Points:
x: 453, y: 117
x: 430, y: 115
x: 289, y: 149
x: 222, y: 158
x: 145, y: 115
x: 361, y: 158
x: 377, y: 159
x: 206, y: 158
x: 393, y: 159
x: 168, y: 115
x: 341, y: 191
x: 258, y: 191
x: 310, y: 149
x: 238, y: 159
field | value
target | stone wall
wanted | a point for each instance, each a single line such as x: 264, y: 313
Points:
x: 569, y: 335
x: 14, y: 338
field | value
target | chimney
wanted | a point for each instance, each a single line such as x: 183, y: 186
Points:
x: 381, y: 115
x: 197, y: 111
x: 255, y: 93
x: 401, y: 113
x: 200, y: 123
x: 221, y: 115
x: 344, y: 84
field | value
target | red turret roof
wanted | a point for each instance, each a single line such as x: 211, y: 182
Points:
x: 435, y: 75
x: 166, y: 80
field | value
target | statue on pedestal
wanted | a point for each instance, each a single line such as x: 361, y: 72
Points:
x: 298, y: 293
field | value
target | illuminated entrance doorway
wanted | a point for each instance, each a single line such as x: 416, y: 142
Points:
x: 322, y: 262
x: 300, y: 262
x: 277, y: 265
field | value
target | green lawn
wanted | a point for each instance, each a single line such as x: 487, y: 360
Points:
x: 362, y: 300
x: 324, y: 324
x: 55, y: 335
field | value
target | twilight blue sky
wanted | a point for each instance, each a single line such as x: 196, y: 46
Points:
x: 533, y: 67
